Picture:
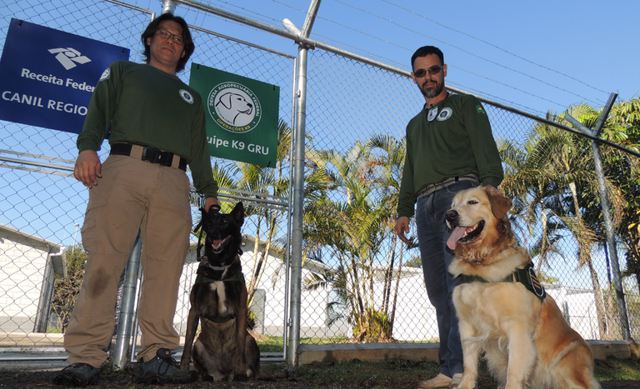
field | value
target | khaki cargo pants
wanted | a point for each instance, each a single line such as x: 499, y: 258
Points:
x: 131, y: 195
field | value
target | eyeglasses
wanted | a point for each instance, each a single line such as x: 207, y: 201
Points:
x: 433, y: 70
x: 169, y: 36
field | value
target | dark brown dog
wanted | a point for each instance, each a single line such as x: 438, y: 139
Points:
x: 224, y: 349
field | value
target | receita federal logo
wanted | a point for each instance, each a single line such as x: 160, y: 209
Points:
x: 69, y: 57
x: 234, y: 107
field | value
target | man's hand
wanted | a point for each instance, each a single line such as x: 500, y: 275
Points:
x: 88, y: 168
x: 210, y: 202
x: 402, y: 227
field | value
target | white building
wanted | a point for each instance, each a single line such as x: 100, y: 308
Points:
x: 271, y: 299
x: 28, y: 265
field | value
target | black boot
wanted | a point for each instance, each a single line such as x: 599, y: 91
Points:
x: 162, y: 369
x: 77, y: 374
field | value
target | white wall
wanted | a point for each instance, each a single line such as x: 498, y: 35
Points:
x: 313, y: 318
x: 21, y: 275
x: 415, y: 317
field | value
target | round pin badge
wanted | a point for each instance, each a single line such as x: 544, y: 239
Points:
x: 186, y: 96
x: 433, y: 112
x: 445, y: 114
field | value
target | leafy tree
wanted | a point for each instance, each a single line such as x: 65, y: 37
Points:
x: 355, y: 221
x: 553, y: 182
x: 623, y: 126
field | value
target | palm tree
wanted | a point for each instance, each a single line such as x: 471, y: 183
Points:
x: 350, y: 226
x: 530, y: 184
x: 555, y: 176
x: 265, y: 182
x: 387, y: 173
x: 623, y: 126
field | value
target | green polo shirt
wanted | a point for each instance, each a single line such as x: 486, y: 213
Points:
x: 450, y: 139
x: 137, y: 103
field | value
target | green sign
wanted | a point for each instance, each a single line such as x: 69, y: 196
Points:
x: 241, y: 115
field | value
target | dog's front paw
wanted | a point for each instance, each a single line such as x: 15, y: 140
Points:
x: 250, y: 373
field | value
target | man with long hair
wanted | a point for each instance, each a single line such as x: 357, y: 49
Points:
x: 155, y: 126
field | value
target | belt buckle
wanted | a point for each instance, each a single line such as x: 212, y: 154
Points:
x: 165, y: 158
x: 151, y: 154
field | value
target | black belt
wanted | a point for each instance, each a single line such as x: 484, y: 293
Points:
x: 430, y: 188
x: 150, y: 154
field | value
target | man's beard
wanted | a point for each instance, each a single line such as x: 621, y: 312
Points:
x: 433, y: 92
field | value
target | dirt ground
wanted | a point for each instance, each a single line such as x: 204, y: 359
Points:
x: 393, y: 374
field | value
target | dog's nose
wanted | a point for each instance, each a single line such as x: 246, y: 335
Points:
x: 452, y: 217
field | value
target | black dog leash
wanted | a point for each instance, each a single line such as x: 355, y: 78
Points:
x: 215, y: 209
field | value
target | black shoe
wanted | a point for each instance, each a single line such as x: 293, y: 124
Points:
x: 162, y: 369
x: 77, y: 374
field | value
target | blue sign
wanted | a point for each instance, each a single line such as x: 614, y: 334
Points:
x: 47, y: 76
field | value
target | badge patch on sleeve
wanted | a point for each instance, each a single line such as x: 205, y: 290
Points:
x: 186, y: 96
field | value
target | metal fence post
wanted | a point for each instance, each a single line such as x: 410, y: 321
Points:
x: 127, y: 315
x: 298, y: 191
x: 606, y: 214
x: 168, y: 6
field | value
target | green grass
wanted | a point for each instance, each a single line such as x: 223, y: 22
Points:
x: 405, y: 374
x: 329, y: 340
x: 618, y: 370
x: 270, y: 343
x: 274, y: 343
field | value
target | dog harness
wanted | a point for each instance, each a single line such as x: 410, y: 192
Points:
x: 526, y: 277
x: 208, y: 273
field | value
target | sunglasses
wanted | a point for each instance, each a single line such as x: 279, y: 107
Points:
x: 433, y: 70
x: 166, y: 35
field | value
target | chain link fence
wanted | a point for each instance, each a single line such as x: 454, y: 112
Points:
x: 356, y: 120
x: 42, y: 205
x: 41, y: 255
x: 359, y: 281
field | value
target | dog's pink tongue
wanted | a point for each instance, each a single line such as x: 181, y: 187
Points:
x: 455, y: 236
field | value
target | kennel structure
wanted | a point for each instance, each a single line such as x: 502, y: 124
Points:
x: 303, y: 282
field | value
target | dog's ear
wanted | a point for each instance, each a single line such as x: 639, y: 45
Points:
x: 500, y: 204
x: 238, y: 213
x: 225, y: 100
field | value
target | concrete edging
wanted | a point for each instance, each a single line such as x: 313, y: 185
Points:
x: 377, y: 352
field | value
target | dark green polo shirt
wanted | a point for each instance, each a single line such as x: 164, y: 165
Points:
x: 450, y: 139
x: 144, y: 105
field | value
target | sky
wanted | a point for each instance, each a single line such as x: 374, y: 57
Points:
x: 537, y: 56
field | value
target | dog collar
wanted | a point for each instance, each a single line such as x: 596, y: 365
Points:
x: 207, y: 273
x: 526, y: 277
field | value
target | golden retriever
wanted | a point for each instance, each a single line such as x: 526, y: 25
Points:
x: 525, y: 340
